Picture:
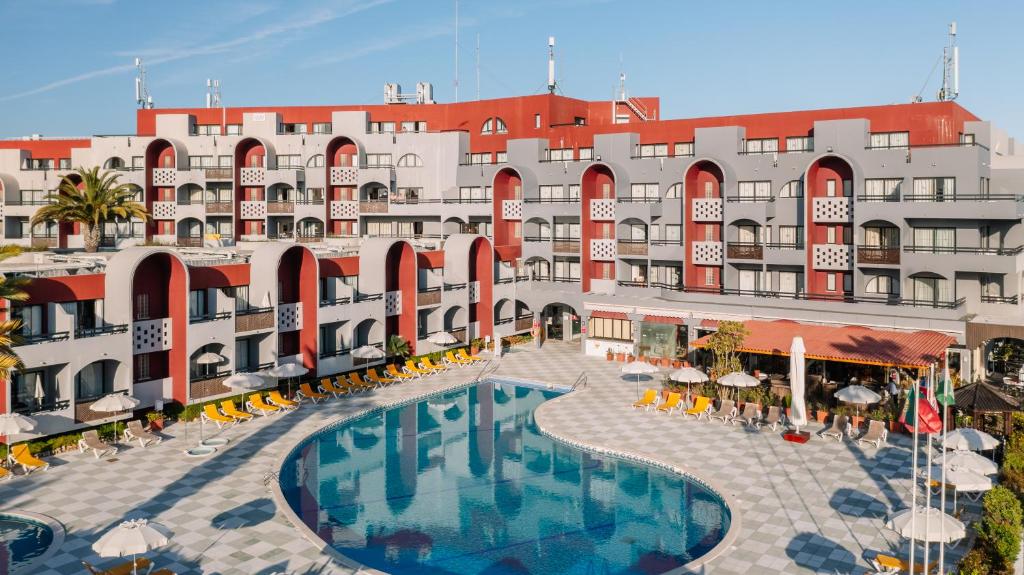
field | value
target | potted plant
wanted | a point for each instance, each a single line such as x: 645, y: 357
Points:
x: 676, y: 363
x: 629, y: 357
x: 787, y: 401
x: 156, y: 420
x: 608, y: 355
x: 620, y: 355
x: 474, y: 347
x: 642, y: 358
x: 666, y: 362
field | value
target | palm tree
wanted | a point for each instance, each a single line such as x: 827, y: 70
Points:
x: 398, y: 347
x: 100, y: 199
x: 11, y: 289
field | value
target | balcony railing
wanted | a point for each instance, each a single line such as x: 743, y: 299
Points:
x: 500, y: 281
x: 632, y: 247
x: 253, y: 318
x: 632, y: 283
x: 36, y: 406
x: 638, y: 200
x: 207, y: 385
x: 45, y: 242
x: 535, y: 239
x: 878, y: 255
x: 324, y: 353
x: 190, y: 242
x: 210, y: 317
x: 32, y: 339
x: 280, y: 207
x: 744, y: 251
x: 878, y: 198
x: 466, y: 200
x: 566, y: 245
x: 785, y: 246
x: 84, y: 413
x: 373, y: 206
x: 955, y: 197
x: 460, y: 334
x: 428, y: 296
x: 335, y: 301
x: 219, y: 173
x: 503, y: 320
x: 749, y: 199
x: 676, y: 242
x: 454, y: 286
x: 219, y: 208
x: 84, y: 332
x: 551, y: 200
x: 566, y: 279
x: 368, y: 297
x: 1004, y: 299
x: 998, y: 251
x: 842, y: 298
x: 524, y: 322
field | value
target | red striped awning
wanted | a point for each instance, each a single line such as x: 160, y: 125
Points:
x: 851, y: 344
x: 664, y: 319
x: 608, y: 314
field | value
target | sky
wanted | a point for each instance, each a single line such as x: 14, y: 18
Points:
x: 66, y: 66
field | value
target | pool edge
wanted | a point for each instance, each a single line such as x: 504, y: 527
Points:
x: 55, y: 526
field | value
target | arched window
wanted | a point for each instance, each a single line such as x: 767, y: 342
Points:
x: 500, y: 127
x: 114, y: 163
x: 675, y: 191
x: 793, y: 189
x: 316, y: 161
x: 880, y: 284
x: 488, y: 126
x: 410, y: 161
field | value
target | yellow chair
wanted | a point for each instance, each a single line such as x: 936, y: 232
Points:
x: 357, y: 380
x: 701, y: 405
x: 22, y: 456
x: 465, y: 355
x: 410, y: 366
x: 450, y: 359
x: 429, y: 364
x: 673, y: 402
x: 228, y: 408
x: 281, y: 401
x: 378, y: 379
x: 328, y: 386
x: 211, y: 414
x: 306, y: 391
x: 342, y: 382
x: 893, y: 565
x: 393, y: 372
x: 257, y: 405
x: 5, y: 473
x: 140, y: 564
x: 650, y: 396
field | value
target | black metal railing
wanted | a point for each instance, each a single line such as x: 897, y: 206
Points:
x: 504, y: 320
x: 749, y: 199
x: 100, y: 330
x: 677, y: 242
x: 551, y: 200
x: 535, y: 239
x: 638, y: 200
x: 631, y: 283
x: 368, y: 297
x: 565, y: 279
x: 209, y: 317
x: 36, y: 406
x: 784, y: 245
x: 253, y: 310
x: 999, y: 251
x: 955, y: 197
x: 455, y: 286
x: 255, y: 367
x: 744, y: 250
x: 34, y: 338
x: 878, y: 198
x: 335, y: 301
x: 878, y: 255
x: 1005, y: 299
x: 334, y: 352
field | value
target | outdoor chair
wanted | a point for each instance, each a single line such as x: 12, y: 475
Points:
x: 726, y: 411
x: 91, y: 441
x: 358, y: 382
x: 410, y: 367
x: 450, y: 359
x: 5, y: 473
x: 141, y: 564
x: 645, y: 402
x: 750, y: 416
x: 773, y: 419
x: 889, y: 565
x: 228, y: 408
x: 672, y: 403
x: 392, y: 371
x: 22, y: 456
x: 281, y: 401
x: 257, y: 405
x: 875, y: 435
x: 305, y: 390
x: 343, y: 382
x: 135, y: 431
x: 840, y: 427
x: 328, y: 386
x: 701, y: 406
x: 211, y: 414
x: 462, y: 353
x: 429, y: 364
x: 380, y: 380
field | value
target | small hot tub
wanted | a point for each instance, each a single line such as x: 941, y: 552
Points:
x: 27, y: 540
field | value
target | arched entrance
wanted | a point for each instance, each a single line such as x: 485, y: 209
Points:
x: 560, y: 322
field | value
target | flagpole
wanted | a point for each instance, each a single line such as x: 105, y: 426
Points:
x: 914, y: 392
x: 947, y: 388
x: 928, y: 471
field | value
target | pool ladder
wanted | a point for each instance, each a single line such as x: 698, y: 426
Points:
x: 483, y: 372
x: 581, y: 381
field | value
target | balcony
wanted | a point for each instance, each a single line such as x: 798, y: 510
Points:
x: 309, y: 239
x: 84, y: 413
x: 455, y: 286
x: 208, y: 385
x: 566, y: 245
x: 210, y: 317
x: 744, y: 251
x: 632, y: 283
x: 368, y: 297
x: 524, y: 322
x: 102, y: 330
x: 460, y: 334
x: 220, y: 208
x: 955, y: 197
x: 218, y: 173
x: 280, y: 207
x: 335, y: 301
x: 428, y: 296
x: 373, y: 206
x: 997, y: 251
x: 326, y: 353
x: 878, y: 255
x: 1000, y: 299
x: 45, y: 242
x: 749, y: 199
x: 632, y: 247
x: 36, y: 406
x: 36, y: 338
x: 253, y: 318
x: 190, y: 242
x: 253, y: 176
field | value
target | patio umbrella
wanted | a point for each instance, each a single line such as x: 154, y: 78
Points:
x: 972, y: 462
x: 970, y: 439
x: 242, y: 381
x: 209, y: 358
x: 940, y: 526
x: 739, y: 379
x: 114, y: 403
x: 15, y: 424
x: 638, y: 368
x: 857, y: 395
x: 442, y: 338
x: 798, y: 408
x: 688, y: 375
x: 963, y: 480
x: 368, y: 352
x: 288, y: 371
x: 131, y: 537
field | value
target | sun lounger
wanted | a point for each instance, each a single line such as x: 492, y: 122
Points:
x: 379, y: 379
x: 91, y: 441
x: 393, y: 372
x: 135, y: 431
x: 228, y: 408
x: 840, y: 427
x: 410, y: 367
x: 451, y: 359
x: 701, y: 406
x: 141, y: 563
x: 773, y: 419
x: 341, y: 381
x: 875, y: 435
x: 328, y: 386
x: 750, y: 416
x: 428, y: 363
x: 889, y: 565
x: 358, y: 382
x: 257, y: 405
x: 673, y: 402
x: 725, y: 412
x: 22, y: 456
x: 647, y: 401
x: 5, y: 473
x: 305, y: 390
x: 462, y: 353
x: 281, y: 401
x: 211, y: 414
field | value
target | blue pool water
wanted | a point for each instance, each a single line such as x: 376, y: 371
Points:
x: 465, y: 483
x: 21, y: 541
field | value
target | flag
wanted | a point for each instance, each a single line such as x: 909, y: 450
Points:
x: 945, y: 396
x: 919, y: 412
x: 908, y: 417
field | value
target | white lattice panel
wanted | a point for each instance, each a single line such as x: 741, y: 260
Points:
x: 392, y: 303
x: 707, y: 209
x: 254, y: 210
x: 706, y: 253
x: 151, y: 335
x: 253, y: 176
x: 474, y: 292
x: 602, y: 250
x: 832, y: 257
x: 164, y: 177
x: 833, y: 210
x: 1, y: 210
x: 344, y: 176
x: 289, y: 317
x: 344, y: 210
x: 602, y: 209
x: 164, y: 210
x: 512, y: 209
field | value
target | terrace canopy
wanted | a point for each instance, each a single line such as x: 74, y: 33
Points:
x: 980, y: 399
x: 850, y: 344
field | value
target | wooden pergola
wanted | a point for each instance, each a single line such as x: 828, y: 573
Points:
x: 982, y: 398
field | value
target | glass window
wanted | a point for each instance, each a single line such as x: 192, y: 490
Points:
x: 889, y: 140
x: 800, y: 144
x: 91, y: 382
x: 682, y: 149
x: 410, y: 161
x: 675, y: 191
x: 488, y: 127
x: 586, y: 154
x: 234, y: 129
x: 321, y: 127
x: 500, y: 127
x: 316, y: 161
x: 609, y: 328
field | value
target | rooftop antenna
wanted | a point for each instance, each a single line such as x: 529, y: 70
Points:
x: 478, y: 66
x: 456, y: 50
x: 950, y: 67
x: 551, y: 65
x: 142, y: 97
x: 212, y: 93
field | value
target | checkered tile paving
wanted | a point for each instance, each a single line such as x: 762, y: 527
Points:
x: 224, y: 520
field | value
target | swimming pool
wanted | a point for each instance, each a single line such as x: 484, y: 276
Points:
x: 465, y: 483
x: 22, y: 541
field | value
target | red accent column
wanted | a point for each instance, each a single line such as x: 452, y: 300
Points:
x: 401, y: 275
x: 592, y: 186
x: 481, y: 269
x: 698, y: 176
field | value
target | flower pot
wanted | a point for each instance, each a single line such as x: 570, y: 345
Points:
x: 686, y: 363
x: 156, y: 424
x: 676, y: 363
x: 620, y: 357
x: 664, y: 395
x: 609, y: 356
x: 666, y: 362
x: 856, y: 421
x: 474, y: 349
x: 629, y: 357
x: 821, y: 415
x: 642, y: 358
x: 895, y: 426
x: 789, y: 412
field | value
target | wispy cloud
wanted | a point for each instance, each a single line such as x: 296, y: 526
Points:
x: 165, y: 55
x: 407, y: 37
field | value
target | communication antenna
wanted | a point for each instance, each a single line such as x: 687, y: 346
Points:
x: 950, y: 67
x: 456, y: 50
x: 551, y: 65
x: 478, y: 66
x: 142, y: 97
x: 212, y: 93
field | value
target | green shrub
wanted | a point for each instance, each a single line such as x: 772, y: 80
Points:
x: 975, y: 562
x: 999, y: 531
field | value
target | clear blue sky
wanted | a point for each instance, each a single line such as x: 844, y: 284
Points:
x: 67, y: 64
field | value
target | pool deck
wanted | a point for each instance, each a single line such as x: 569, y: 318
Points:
x: 814, y: 508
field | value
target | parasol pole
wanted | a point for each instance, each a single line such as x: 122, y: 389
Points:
x: 928, y: 472
x: 913, y: 479
x: 947, y: 387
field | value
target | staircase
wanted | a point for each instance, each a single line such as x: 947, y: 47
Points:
x: 637, y: 107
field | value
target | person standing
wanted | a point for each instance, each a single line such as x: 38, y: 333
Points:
x: 894, y: 389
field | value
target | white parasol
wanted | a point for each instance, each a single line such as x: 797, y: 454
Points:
x: 442, y: 338
x: 931, y: 526
x: 972, y: 462
x: 131, y: 537
x: 798, y: 407
x: 970, y: 439
x: 638, y: 368
x: 368, y: 352
x: 114, y: 403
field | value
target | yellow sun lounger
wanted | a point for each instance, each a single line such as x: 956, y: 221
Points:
x: 465, y: 355
x: 889, y: 564
x: 306, y: 391
x: 359, y: 382
x: 379, y: 379
x: 228, y: 407
x: 393, y: 372
x: 140, y: 564
x: 701, y: 405
x: 673, y: 402
x: 410, y: 366
x: 650, y: 396
x: 281, y: 401
x: 257, y: 405
x: 450, y: 359
x: 344, y: 383
x: 328, y: 386
x: 429, y: 364
x: 211, y: 414
x: 28, y: 462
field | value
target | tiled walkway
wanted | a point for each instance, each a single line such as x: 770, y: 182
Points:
x: 817, y: 508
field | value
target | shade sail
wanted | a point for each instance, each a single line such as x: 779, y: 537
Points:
x: 852, y: 344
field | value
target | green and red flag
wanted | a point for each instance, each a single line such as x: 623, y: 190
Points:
x: 945, y: 395
x: 920, y: 413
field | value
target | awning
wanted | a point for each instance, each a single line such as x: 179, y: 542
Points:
x: 664, y: 319
x: 608, y: 314
x: 851, y: 344
x: 509, y: 253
